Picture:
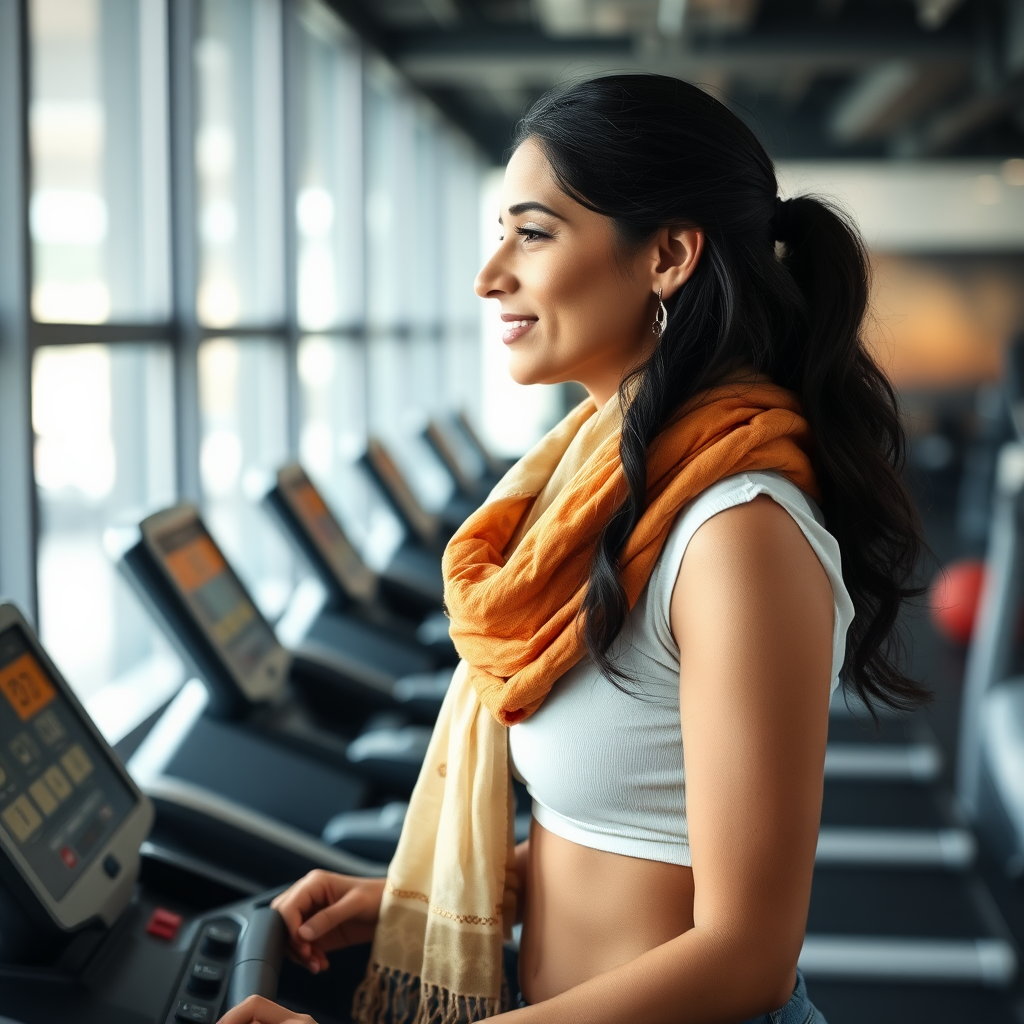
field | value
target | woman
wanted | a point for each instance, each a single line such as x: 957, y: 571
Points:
x: 654, y: 578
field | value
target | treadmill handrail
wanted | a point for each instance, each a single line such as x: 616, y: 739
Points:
x: 988, y: 658
x: 200, y: 800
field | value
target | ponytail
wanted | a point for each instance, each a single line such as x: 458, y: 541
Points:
x: 860, y: 447
x: 647, y: 151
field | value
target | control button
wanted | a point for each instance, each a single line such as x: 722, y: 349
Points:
x: 111, y: 865
x: 219, y: 940
x: 205, y: 979
x: 164, y: 925
x: 69, y: 857
x: 193, y: 1012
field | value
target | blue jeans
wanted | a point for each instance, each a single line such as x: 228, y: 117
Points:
x: 799, y: 1009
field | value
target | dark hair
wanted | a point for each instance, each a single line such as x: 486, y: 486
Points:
x: 647, y: 151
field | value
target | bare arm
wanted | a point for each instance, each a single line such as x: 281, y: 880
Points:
x: 752, y: 613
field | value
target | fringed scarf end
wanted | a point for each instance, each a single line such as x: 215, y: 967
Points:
x: 390, y: 996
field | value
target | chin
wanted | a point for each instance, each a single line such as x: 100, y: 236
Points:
x: 523, y: 371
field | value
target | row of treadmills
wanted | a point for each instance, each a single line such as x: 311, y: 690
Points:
x: 135, y: 885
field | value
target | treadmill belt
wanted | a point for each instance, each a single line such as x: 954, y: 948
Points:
x: 936, y: 904
x: 849, y: 1003
x: 361, y: 642
x: 264, y: 777
x: 884, y: 805
x: 850, y: 729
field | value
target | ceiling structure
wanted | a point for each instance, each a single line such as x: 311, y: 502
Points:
x: 816, y: 79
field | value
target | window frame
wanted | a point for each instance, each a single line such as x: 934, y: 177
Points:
x: 21, y: 336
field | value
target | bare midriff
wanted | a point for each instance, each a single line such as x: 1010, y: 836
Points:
x: 588, y: 911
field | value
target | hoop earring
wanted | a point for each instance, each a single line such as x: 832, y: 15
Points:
x: 661, y: 320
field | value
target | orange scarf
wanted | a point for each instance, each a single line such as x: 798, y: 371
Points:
x: 515, y: 620
x: 515, y: 576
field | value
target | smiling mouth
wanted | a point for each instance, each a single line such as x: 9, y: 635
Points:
x: 515, y: 329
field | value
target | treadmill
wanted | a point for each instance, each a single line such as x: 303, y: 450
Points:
x: 346, y: 667
x: 384, y: 606
x: 990, y: 769
x: 100, y: 925
x: 304, y: 702
x: 496, y: 468
x: 429, y: 531
x: 465, y: 465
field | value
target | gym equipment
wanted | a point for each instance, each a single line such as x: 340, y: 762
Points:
x: 465, y: 464
x: 384, y: 605
x: 100, y: 926
x: 990, y: 769
x: 496, y: 467
x: 344, y: 667
x: 430, y: 530
x: 989, y: 779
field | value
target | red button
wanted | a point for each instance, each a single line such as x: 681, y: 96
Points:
x: 163, y: 924
x: 69, y: 857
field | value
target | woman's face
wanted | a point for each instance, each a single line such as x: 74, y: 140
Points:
x: 576, y: 307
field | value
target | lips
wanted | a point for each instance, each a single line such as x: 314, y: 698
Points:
x: 516, y: 325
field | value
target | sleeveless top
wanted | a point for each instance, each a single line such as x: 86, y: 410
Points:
x: 605, y: 768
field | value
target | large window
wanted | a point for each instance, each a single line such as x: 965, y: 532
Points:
x: 102, y: 414
x: 243, y: 414
x: 97, y: 118
x: 104, y: 456
x: 238, y: 149
x: 243, y: 249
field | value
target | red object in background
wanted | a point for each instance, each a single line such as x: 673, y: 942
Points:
x: 163, y: 924
x: 954, y: 597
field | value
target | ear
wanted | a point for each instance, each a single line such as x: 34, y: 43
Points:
x: 676, y: 251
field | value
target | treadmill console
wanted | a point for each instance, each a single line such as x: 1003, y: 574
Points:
x: 218, y: 605
x: 334, y: 557
x: 385, y: 471
x: 463, y: 462
x: 71, y: 819
x: 85, y: 935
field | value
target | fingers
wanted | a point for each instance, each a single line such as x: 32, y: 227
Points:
x: 324, y: 921
x: 257, y: 1010
x: 317, y: 889
x: 325, y: 911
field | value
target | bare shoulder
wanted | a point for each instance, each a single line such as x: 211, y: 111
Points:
x: 751, y: 582
x: 754, y: 543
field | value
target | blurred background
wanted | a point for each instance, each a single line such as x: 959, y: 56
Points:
x: 253, y: 226
x: 236, y: 232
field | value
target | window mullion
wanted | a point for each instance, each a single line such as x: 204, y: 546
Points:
x: 182, y: 25
x: 18, y: 514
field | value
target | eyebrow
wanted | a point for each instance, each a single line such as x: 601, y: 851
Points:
x: 531, y: 205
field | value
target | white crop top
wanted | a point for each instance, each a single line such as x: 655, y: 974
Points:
x: 604, y: 768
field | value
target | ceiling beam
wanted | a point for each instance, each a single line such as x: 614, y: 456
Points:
x: 884, y: 99
x: 464, y: 59
x: 946, y: 129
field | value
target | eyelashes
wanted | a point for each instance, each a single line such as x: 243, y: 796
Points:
x: 531, y: 234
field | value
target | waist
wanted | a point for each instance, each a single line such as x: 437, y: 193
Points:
x: 588, y: 911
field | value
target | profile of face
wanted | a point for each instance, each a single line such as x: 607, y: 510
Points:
x: 576, y: 303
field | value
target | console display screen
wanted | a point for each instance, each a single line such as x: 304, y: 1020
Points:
x: 60, y: 798
x: 330, y: 540
x: 392, y: 480
x: 216, y: 596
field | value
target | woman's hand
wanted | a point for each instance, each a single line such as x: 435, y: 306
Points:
x: 325, y: 911
x: 257, y: 1010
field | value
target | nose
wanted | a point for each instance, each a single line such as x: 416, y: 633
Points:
x: 495, y: 279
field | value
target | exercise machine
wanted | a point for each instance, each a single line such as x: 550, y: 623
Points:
x: 100, y: 925
x: 385, y: 606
